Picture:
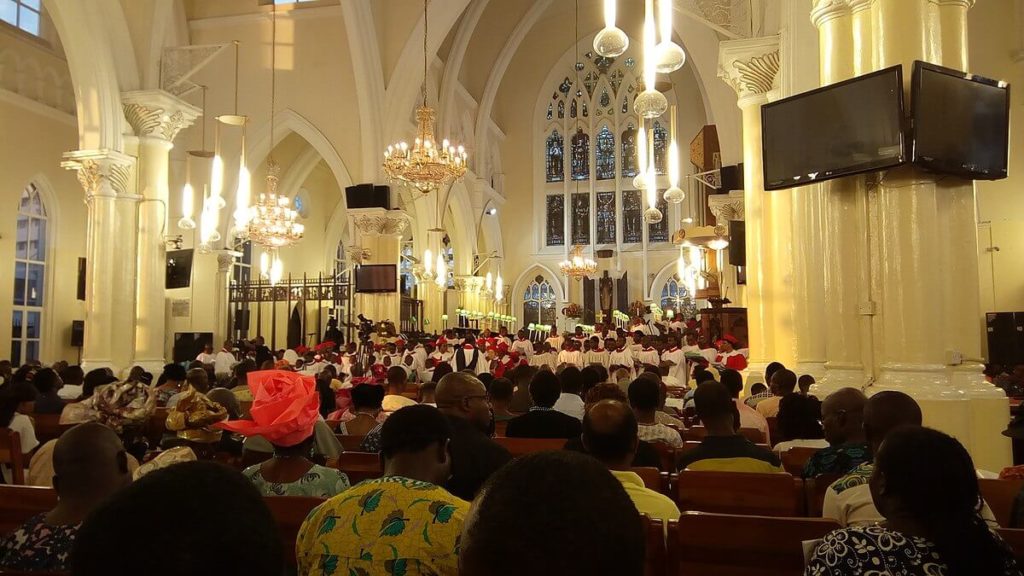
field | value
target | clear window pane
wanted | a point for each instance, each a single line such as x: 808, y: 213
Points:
x: 21, y: 242
x: 16, y: 324
x: 9, y: 12
x: 34, y: 295
x: 33, y: 4
x: 37, y: 239
x: 32, y: 327
x: 16, y: 352
x: 32, y: 350
x: 28, y: 21
x: 20, y: 275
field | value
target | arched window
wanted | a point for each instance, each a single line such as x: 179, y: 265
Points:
x: 30, y: 260
x: 23, y: 14
x: 555, y: 158
x: 580, y: 155
x: 539, y: 302
x: 675, y: 297
x: 605, y: 154
x: 629, y: 151
x: 660, y: 148
x: 561, y: 109
x: 408, y: 281
x: 339, y: 259
x: 572, y: 109
x: 449, y: 259
x: 241, y: 273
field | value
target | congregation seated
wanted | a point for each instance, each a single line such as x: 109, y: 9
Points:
x: 843, y: 421
x: 48, y: 384
x: 366, y: 411
x: 403, y: 522
x: 782, y: 382
x: 552, y: 514
x: 723, y: 449
x: 285, y: 413
x: 325, y: 443
x: 644, y: 397
x: 198, y: 518
x: 797, y: 425
x: 569, y: 402
x: 196, y: 379
x: 646, y: 455
x: 521, y: 377
x: 500, y: 394
x: 749, y: 418
x: 925, y: 486
x: 78, y: 412
x: 397, y: 378
x: 170, y: 383
x: 542, y: 420
x: 758, y: 392
x: 610, y: 435
x: 89, y: 465
x: 427, y: 393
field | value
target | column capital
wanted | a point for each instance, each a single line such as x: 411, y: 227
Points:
x: 100, y: 172
x: 379, y: 221
x: 966, y: 4
x: 225, y: 259
x: 750, y: 66
x: 824, y: 10
x: 157, y: 114
x: 468, y: 283
x: 726, y: 207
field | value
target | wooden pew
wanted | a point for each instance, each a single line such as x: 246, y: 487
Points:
x: 739, y: 493
x: 668, y: 455
x: 653, y: 478
x: 48, y: 427
x: 359, y: 466
x: 19, y: 503
x: 289, y: 512
x: 523, y: 446
x: 697, y: 433
x: 10, y: 454
x: 814, y: 493
x: 1015, y: 538
x: 350, y: 442
x: 500, y: 427
x: 794, y: 459
x: 732, y: 545
x: 655, y: 553
x: 999, y: 495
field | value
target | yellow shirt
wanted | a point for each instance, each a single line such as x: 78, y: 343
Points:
x: 647, y: 501
x: 769, y: 407
x: 390, y: 525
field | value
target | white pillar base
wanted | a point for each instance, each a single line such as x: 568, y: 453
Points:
x: 839, y: 376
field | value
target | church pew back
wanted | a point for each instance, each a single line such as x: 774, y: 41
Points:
x: 289, y: 512
x: 655, y: 554
x: 697, y: 433
x: 10, y: 454
x: 999, y: 495
x: 359, y: 466
x: 19, y: 503
x: 732, y: 545
x: 523, y: 446
x: 740, y: 493
x: 794, y: 459
x: 350, y: 442
x: 1015, y: 538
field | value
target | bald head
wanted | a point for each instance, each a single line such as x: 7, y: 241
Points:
x: 452, y: 388
x: 610, y: 433
x: 886, y: 411
x: 842, y: 416
x: 89, y: 462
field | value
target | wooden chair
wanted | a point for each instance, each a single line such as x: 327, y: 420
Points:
x: 350, y: 442
x: 523, y: 446
x: 19, y: 503
x: 728, y: 545
x: 359, y: 466
x: 999, y: 495
x: 653, y: 478
x: 739, y: 493
x: 10, y: 454
x: 773, y: 428
x: 48, y: 427
x: 814, y: 493
x: 697, y: 433
x: 1014, y: 537
x: 499, y: 428
x: 289, y: 512
x: 794, y: 459
x: 669, y: 456
x: 655, y: 553
x: 156, y: 426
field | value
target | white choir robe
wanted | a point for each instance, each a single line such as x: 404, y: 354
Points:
x: 482, y: 364
x: 523, y: 347
x: 555, y: 342
x: 677, y: 357
x: 547, y: 358
x: 574, y: 357
x: 592, y: 357
x: 622, y: 358
x: 648, y: 356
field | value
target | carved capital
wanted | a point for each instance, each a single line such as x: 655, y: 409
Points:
x: 965, y: 4
x: 469, y: 284
x: 751, y: 67
x: 225, y: 259
x: 726, y: 207
x: 101, y: 172
x: 825, y: 10
x: 380, y: 222
x: 157, y: 114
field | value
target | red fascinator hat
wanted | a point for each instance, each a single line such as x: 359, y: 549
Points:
x: 285, y: 407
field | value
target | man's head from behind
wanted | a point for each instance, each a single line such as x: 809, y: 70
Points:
x: 644, y: 395
x: 545, y: 389
x: 414, y: 444
x: 733, y: 381
x: 548, y: 514
x: 198, y: 379
x: 886, y: 411
x: 610, y: 433
x: 236, y: 536
x: 464, y: 395
x: 367, y: 397
x: 842, y: 416
x: 715, y: 408
x: 397, y: 377
x: 571, y: 380
x: 783, y: 382
x: 89, y: 464
x: 500, y: 393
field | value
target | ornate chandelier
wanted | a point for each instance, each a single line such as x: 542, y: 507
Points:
x: 578, y: 266
x: 272, y: 220
x: 425, y: 165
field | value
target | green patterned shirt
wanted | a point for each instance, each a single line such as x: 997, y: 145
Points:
x: 319, y: 482
x: 392, y: 526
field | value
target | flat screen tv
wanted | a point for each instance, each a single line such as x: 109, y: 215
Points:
x: 179, y: 269
x: 961, y: 122
x: 377, y: 278
x: 846, y: 128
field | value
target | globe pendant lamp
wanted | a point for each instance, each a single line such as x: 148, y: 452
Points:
x: 640, y: 180
x: 610, y: 41
x: 650, y: 103
x: 669, y: 55
x: 674, y: 194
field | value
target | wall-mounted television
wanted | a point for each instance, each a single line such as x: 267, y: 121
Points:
x: 179, y: 269
x: 961, y: 123
x: 845, y: 128
x: 377, y: 278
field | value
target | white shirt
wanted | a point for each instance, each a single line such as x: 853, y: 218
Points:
x: 750, y: 418
x: 23, y: 426
x: 206, y: 358
x: 570, y: 404
x: 223, y: 362
x: 801, y: 443
x: 394, y: 402
x: 648, y: 356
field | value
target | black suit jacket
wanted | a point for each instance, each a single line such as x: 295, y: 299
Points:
x: 544, y: 424
x: 474, y: 458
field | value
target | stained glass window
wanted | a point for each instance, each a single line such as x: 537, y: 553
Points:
x: 572, y: 110
x: 555, y: 158
x: 30, y: 263
x: 605, y: 154
x: 408, y: 283
x: 625, y: 105
x: 660, y: 148
x: 606, y: 217
x: 605, y: 98
x: 580, y: 218
x: 555, y: 225
x: 616, y: 79
x: 659, y: 232
x: 586, y: 111
x: 565, y: 86
x: 675, y: 297
x: 561, y: 109
x: 590, y: 81
x: 539, y: 302
x: 632, y: 217
x: 550, y: 111
x: 629, y: 151
x: 580, y: 155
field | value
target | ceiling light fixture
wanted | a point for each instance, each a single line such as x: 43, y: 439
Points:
x: 610, y: 41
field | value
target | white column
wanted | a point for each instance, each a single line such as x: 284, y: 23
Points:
x: 379, y: 231
x: 157, y: 117
x: 221, y: 330
x: 104, y: 174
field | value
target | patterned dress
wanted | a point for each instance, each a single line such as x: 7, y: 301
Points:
x: 319, y: 482
x: 386, y: 526
x: 836, y: 460
x: 37, y: 546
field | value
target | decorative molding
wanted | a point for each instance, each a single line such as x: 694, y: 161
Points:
x: 101, y: 172
x: 468, y: 284
x: 158, y: 114
x: 381, y: 222
x: 726, y: 207
x: 825, y: 10
x: 751, y: 67
x: 179, y: 63
x: 225, y: 259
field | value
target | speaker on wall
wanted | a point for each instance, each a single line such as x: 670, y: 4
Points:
x: 368, y: 196
x: 81, y: 279
x: 737, y: 242
x: 732, y: 177
x: 1005, y: 331
x: 78, y: 333
x: 241, y: 320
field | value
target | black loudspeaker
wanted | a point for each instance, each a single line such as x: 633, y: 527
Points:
x: 732, y: 178
x: 241, y: 320
x: 81, y: 279
x: 1005, y: 332
x: 737, y: 242
x: 188, y: 345
x: 78, y: 333
x: 368, y: 196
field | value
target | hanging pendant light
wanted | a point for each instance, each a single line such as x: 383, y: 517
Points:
x: 674, y: 194
x: 650, y: 103
x: 670, y: 56
x: 652, y: 215
x: 188, y: 198
x: 610, y: 41
x: 499, y: 288
x: 442, y: 272
x: 640, y: 180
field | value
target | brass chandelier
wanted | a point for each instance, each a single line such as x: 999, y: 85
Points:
x: 578, y: 266
x: 425, y: 166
